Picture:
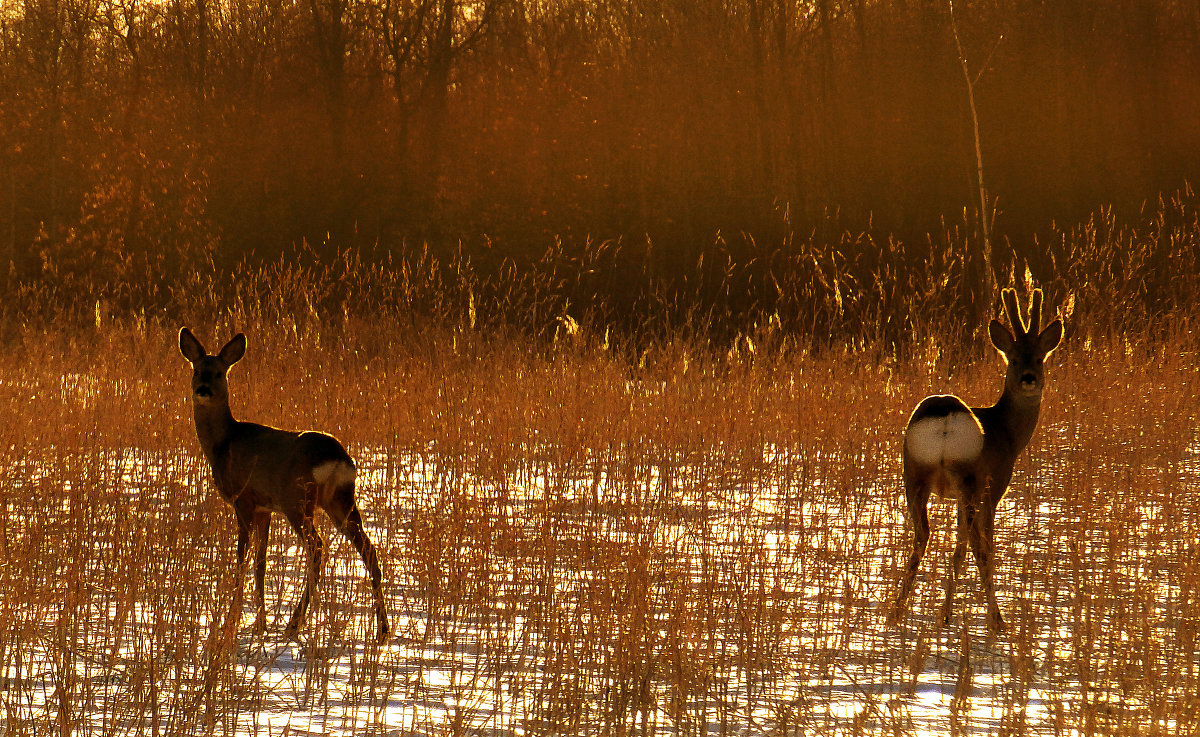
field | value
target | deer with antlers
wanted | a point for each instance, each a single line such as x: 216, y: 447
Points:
x: 966, y: 454
x: 259, y: 470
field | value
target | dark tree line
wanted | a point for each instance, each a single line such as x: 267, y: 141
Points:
x: 140, y: 136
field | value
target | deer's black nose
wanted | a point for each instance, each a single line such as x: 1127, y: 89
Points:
x: 203, y: 391
x: 1028, y: 378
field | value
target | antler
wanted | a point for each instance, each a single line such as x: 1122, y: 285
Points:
x: 1013, y: 310
x: 1035, y: 312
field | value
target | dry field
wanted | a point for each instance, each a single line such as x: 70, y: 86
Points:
x: 579, y: 540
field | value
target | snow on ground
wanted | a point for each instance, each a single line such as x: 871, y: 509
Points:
x: 834, y: 666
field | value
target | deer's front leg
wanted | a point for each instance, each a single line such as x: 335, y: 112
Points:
x: 262, y: 527
x: 243, y: 522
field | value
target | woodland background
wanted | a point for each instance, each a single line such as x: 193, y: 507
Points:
x: 627, y: 163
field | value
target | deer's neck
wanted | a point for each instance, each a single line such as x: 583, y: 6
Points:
x: 214, y: 426
x: 1015, y: 417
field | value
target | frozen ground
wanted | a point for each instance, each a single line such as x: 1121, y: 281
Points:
x: 816, y: 659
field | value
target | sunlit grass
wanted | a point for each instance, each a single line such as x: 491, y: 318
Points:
x: 584, y: 539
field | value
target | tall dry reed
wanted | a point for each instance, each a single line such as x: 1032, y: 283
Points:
x: 583, y: 535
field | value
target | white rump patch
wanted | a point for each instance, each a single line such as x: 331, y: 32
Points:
x: 337, y: 473
x: 954, y: 438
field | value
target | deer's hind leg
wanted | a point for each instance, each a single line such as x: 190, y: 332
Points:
x: 344, y: 512
x: 301, y: 520
x: 917, y: 497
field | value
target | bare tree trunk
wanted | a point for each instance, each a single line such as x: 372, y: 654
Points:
x: 202, y: 48
x: 8, y: 259
x: 986, y: 284
x: 437, y: 83
x: 329, y: 30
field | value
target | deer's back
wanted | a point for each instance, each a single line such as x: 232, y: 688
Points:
x: 273, y: 469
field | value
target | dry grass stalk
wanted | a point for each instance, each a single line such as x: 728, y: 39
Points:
x: 577, y: 539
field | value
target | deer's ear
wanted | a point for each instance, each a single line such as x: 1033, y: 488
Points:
x: 189, y: 346
x: 233, y: 351
x: 1049, y: 338
x: 1001, y: 336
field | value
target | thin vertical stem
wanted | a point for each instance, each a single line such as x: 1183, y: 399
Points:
x: 986, y: 286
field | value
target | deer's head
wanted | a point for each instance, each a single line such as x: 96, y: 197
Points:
x: 1025, y: 347
x: 208, y: 372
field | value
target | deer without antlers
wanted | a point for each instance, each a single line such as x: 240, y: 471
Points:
x: 967, y: 453
x: 259, y: 470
